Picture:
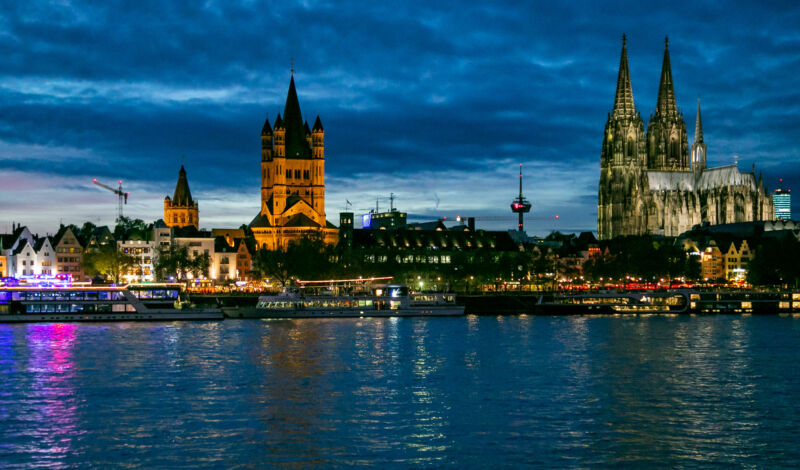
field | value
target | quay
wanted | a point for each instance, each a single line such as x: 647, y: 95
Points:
x: 682, y: 301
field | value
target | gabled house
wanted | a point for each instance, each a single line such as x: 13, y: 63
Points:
x: 69, y: 253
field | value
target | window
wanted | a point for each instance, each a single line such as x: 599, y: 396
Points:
x: 288, y: 174
x: 297, y: 174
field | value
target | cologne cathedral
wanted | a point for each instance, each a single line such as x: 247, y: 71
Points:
x: 651, y: 182
x: 292, y: 180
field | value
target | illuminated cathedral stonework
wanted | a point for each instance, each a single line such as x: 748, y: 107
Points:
x: 650, y: 183
x: 292, y: 180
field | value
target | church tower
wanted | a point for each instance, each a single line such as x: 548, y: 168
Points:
x: 292, y: 179
x: 698, y: 147
x: 623, y: 161
x: 667, y: 144
x: 181, y: 210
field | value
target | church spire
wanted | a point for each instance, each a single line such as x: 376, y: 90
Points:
x: 699, y: 148
x: 666, y: 104
x: 623, y: 100
x: 296, y: 145
x: 698, y: 127
x: 182, y: 196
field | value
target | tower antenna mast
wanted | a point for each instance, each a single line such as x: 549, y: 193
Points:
x: 520, y: 205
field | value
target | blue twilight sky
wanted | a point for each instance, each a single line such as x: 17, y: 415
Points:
x: 436, y: 102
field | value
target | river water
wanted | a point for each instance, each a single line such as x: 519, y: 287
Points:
x: 566, y: 392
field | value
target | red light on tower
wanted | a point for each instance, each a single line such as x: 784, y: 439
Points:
x: 520, y: 205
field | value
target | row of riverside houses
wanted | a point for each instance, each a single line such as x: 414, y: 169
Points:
x: 726, y: 250
x: 229, y: 251
x: 23, y: 253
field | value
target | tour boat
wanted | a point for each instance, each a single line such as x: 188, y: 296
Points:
x: 333, y: 299
x: 671, y: 302
x: 613, y: 302
x: 56, y: 303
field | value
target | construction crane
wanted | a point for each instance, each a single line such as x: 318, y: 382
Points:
x: 121, y: 195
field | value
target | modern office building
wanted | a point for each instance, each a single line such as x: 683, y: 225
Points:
x: 782, y: 201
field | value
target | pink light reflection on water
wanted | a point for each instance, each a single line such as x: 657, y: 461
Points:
x: 52, y: 411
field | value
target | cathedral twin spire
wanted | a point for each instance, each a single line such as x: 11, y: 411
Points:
x: 666, y: 142
x: 666, y: 104
x: 623, y: 100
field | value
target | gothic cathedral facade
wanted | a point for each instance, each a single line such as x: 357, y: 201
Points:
x: 650, y: 182
x: 292, y: 180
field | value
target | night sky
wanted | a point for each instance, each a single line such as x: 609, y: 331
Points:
x: 437, y: 103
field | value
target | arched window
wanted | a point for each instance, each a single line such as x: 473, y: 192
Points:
x: 631, y: 148
x: 674, y: 149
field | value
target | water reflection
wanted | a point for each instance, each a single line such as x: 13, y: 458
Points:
x: 49, y: 411
x: 573, y: 392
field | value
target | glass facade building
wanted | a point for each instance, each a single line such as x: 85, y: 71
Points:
x: 782, y: 200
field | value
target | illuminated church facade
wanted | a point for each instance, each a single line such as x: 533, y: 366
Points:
x: 652, y: 182
x: 292, y: 180
x: 181, y: 210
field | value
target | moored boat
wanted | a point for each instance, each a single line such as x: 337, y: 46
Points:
x: 670, y: 302
x: 353, y: 298
x: 146, y: 302
x: 613, y: 302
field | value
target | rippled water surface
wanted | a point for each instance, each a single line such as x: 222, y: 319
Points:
x: 577, y: 392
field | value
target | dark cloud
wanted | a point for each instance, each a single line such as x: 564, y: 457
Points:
x: 131, y: 89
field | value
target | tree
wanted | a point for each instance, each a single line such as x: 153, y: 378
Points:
x: 199, y: 265
x: 127, y: 228
x: 173, y: 262
x: 273, y: 264
x: 776, y: 263
x: 108, y: 261
x: 306, y: 258
x: 86, y: 231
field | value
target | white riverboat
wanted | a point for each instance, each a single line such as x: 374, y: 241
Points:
x: 353, y: 298
x: 60, y: 303
x: 613, y: 302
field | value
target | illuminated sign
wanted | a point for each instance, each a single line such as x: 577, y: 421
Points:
x: 366, y: 220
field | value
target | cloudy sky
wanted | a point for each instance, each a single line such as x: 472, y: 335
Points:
x: 436, y: 102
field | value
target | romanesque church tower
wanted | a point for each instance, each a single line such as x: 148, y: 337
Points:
x: 292, y: 179
x: 623, y: 160
x: 181, y: 210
